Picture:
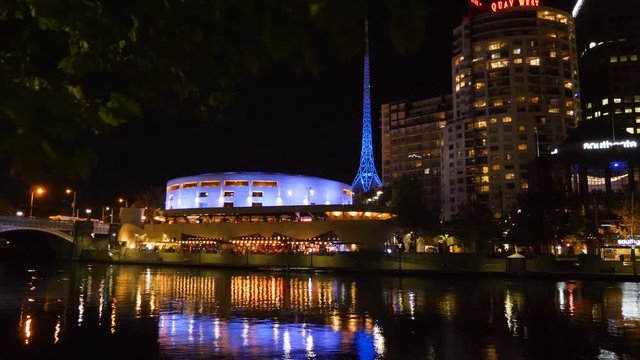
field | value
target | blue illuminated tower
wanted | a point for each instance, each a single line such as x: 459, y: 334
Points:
x: 367, y: 176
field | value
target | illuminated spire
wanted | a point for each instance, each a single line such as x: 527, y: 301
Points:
x: 367, y: 176
x: 576, y: 8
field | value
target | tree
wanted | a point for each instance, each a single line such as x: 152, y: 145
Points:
x: 152, y: 200
x: 72, y: 70
x: 628, y: 222
x: 408, y: 202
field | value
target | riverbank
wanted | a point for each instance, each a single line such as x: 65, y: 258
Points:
x: 590, y: 266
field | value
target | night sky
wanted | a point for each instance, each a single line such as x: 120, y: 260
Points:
x: 282, y: 120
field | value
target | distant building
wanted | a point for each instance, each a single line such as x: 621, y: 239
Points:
x: 515, y: 95
x: 254, y: 189
x: 608, y: 38
x: 412, y: 143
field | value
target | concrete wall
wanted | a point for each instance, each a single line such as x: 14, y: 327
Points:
x: 366, y: 261
x: 370, y: 234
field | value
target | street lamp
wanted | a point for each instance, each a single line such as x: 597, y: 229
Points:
x: 106, y: 208
x: 73, y: 204
x: 37, y: 190
x: 88, y: 211
x: 124, y: 201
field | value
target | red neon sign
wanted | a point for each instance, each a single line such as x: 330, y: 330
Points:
x: 500, y: 5
x: 506, y: 4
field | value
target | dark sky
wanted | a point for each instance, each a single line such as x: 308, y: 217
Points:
x: 281, y: 120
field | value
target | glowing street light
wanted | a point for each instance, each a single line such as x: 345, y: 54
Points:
x: 88, y: 211
x: 73, y: 204
x: 37, y: 190
x: 19, y: 213
x: 104, y: 208
x: 123, y: 201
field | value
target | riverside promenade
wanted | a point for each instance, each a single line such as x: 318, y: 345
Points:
x: 469, y: 264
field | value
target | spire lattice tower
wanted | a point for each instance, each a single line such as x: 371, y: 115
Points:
x: 367, y: 176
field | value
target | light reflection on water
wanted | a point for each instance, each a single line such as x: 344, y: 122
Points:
x: 196, y: 313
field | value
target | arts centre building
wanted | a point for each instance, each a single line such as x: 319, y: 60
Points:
x: 265, y: 213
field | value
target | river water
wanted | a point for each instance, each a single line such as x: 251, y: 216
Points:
x: 101, y: 311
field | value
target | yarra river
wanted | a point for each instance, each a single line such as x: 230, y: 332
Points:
x: 102, y: 311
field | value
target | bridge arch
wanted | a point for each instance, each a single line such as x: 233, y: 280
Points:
x: 58, y: 233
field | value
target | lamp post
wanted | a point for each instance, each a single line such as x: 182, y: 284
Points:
x: 104, y: 208
x: 88, y: 211
x: 73, y: 203
x: 39, y: 191
x: 123, y: 201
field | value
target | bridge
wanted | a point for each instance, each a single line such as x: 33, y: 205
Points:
x: 63, y: 229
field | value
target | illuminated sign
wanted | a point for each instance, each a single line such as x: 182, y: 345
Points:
x: 500, y: 5
x: 628, y: 242
x: 604, y: 145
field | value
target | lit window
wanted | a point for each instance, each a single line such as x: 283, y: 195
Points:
x: 589, y: 105
x: 535, y: 99
x: 264, y: 183
x: 617, y: 100
x: 522, y: 128
x: 633, y: 57
x: 524, y: 186
x: 509, y: 176
x: 628, y: 110
x: 508, y: 157
x: 497, y: 102
x: 613, y: 59
x: 517, y: 61
x: 605, y: 101
x: 480, y: 103
x: 506, y: 119
x: 517, y: 51
x: 484, y: 179
x: 485, y: 188
x: 522, y: 147
x: 485, y: 169
x: 210, y: 183
x: 495, y: 46
x: 495, y: 167
x: 630, y: 130
x: 479, y: 85
x: 554, y: 110
x: 189, y: 185
x: 553, y: 54
x: 228, y: 193
x: 499, y: 64
x: 481, y: 124
x: 568, y: 85
x: 623, y: 58
x: 534, y: 62
x: 236, y: 183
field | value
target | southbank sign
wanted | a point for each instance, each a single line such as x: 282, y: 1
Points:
x: 604, y: 145
x: 628, y: 242
x: 500, y: 5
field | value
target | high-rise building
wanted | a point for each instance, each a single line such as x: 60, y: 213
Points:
x: 412, y: 143
x: 515, y: 97
x: 608, y: 38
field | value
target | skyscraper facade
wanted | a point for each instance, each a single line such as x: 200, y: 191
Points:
x: 412, y: 143
x: 515, y: 97
x: 608, y: 38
